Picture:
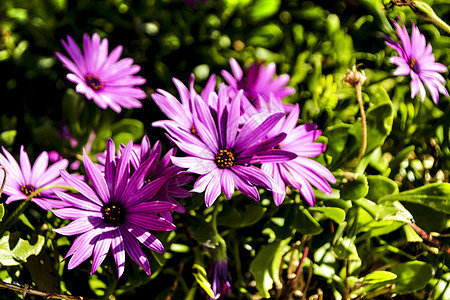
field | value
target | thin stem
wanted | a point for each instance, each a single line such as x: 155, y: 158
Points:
x: 430, y: 239
x: 26, y: 290
x: 347, y: 285
x: 175, y: 283
x: 13, y: 217
x: 4, y: 180
x: 363, y: 124
x: 112, y: 288
x: 297, y: 273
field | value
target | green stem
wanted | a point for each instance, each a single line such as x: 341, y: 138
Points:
x: 111, y: 288
x: 14, y: 216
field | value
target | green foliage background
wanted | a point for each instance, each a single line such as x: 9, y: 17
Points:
x: 359, y: 240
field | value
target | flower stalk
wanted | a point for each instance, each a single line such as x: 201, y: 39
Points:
x: 423, y: 10
x: 357, y: 79
x: 14, y: 216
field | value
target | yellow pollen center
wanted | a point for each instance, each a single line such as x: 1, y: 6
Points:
x: 29, y: 189
x: 224, y: 159
x: 412, y: 63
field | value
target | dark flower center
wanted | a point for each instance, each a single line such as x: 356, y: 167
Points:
x: 94, y: 82
x: 278, y: 147
x: 113, y: 213
x: 413, y: 64
x: 224, y: 159
x: 28, y: 189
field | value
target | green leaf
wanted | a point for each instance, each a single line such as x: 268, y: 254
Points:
x: 198, y: 228
x: 262, y: 9
x: 2, y: 212
x: 377, y: 212
x: 126, y: 130
x: 97, y: 285
x: 266, y: 266
x: 337, y: 138
x: 346, y: 249
x: 305, y: 222
x: 378, y: 228
x: 378, y: 276
x: 8, y: 137
x: 21, y: 251
x: 411, y: 234
x: 335, y: 213
x: 238, y: 214
x: 411, y: 276
x: 24, y: 248
x: 379, y: 124
x: 441, y: 287
x: 435, y: 196
x: 380, y: 186
x: 200, y: 276
x: 428, y: 218
x: 379, y: 119
x: 354, y: 189
x: 266, y: 36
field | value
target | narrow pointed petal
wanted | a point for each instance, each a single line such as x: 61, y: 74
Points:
x: 134, y: 250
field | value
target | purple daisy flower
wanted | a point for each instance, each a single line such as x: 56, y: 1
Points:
x: 417, y: 60
x: 301, y: 172
x: 259, y: 81
x: 220, y: 277
x: 102, y: 77
x: 162, y: 168
x: 23, y: 180
x: 180, y: 114
x: 222, y: 154
x: 114, y: 212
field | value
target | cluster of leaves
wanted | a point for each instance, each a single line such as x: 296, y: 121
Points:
x: 370, y: 238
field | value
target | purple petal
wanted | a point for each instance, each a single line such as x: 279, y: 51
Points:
x: 101, y: 249
x: 25, y: 165
x: 80, y: 226
x: 81, y: 187
x: 122, y: 171
x: 96, y: 178
x: 227, y: 183
x: 118, y: 250
x: 151, y: 207
x: 84, y: 249
x: 134, y: 250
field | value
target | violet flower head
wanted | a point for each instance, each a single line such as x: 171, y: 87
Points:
x: 225, y: 156
x: 302, y: 172
x: 116, y: 211
x: 180, y: 113
x: 219, y: 277
x: 259, y: 80
x: 417, y: 60
x: 162, y: 168
x: 101, y: 76
x: 24, y: 180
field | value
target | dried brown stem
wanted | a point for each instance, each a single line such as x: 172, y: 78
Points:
x: 27, y: 290
x: 430, y: 239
